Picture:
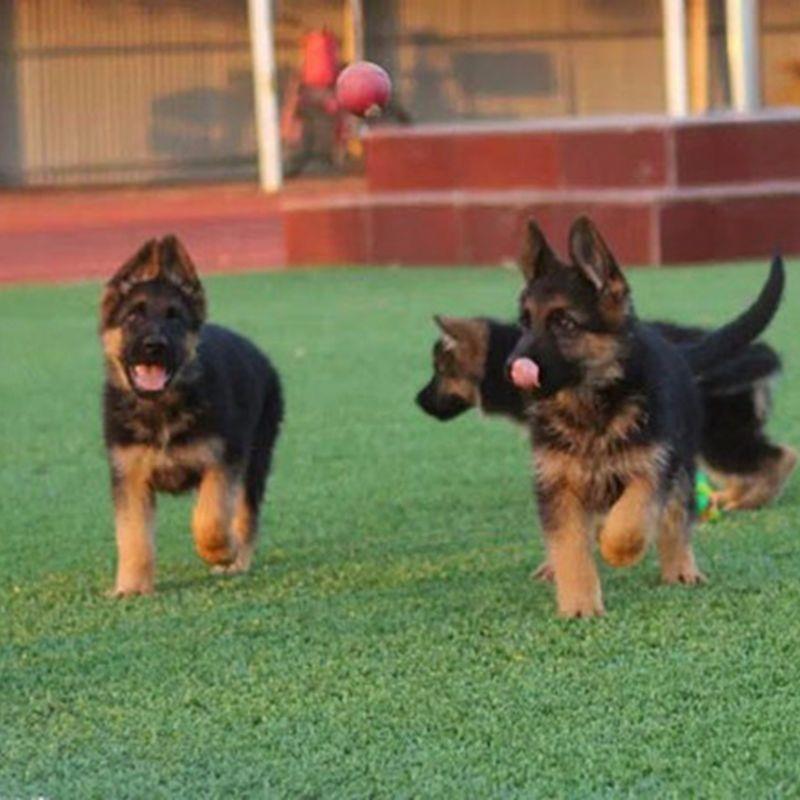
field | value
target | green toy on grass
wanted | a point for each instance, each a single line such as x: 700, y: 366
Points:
x: 707, y: 509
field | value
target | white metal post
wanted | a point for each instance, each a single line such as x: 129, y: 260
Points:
x: 698, y: 11
x: 743, y: 53
x: 675, y: 57
x: 262, y: 43
x: 353, y: 44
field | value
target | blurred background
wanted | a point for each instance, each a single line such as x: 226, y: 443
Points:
x: 674, y: 122
x: 130, y: 91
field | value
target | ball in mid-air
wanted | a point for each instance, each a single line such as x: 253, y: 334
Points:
x: 363, y: 88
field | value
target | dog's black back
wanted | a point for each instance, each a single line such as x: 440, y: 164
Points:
x: 245, y: 394
x: 735, y: 394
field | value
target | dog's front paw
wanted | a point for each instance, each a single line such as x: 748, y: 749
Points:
x: 622, y: 547
x: 580, y: 607
x: 687, y: 576
x: 133, y: 579
x: 131, y: 589
x: 234, y: 568
x: 682, y: 569
x: 238, y: 566
x: 219, y: 553
x: 544, y: 572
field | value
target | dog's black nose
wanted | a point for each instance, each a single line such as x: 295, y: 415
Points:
x: 154, y: 346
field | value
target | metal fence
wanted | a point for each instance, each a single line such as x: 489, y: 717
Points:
x: 473, y: 59
x: 119, y: 91
x: 128, y: 91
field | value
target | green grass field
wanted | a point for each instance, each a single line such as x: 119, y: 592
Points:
x: 388, y: 642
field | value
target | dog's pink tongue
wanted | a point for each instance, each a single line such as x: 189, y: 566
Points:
x: 525, y: 373
x: 150, y: 377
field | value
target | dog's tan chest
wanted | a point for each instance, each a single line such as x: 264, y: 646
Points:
x: 173, y: 468
x: 583, y: 428
x: 592, y: 457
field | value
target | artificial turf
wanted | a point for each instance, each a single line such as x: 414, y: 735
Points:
x: 388, y: 642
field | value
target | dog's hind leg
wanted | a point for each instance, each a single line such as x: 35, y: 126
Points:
x: 750, y: 469
x: 250, y: 494
x: 762, y: 486
x: 675, y: 552
x: 213, y: 516
x: 245, y: 534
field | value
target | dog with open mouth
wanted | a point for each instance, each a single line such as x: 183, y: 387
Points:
x: 615, y: 414
x: 186, y: 405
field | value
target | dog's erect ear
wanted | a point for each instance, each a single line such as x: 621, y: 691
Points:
x: 594, y: 258
x: 176, y: 265
x: 537, y: 255
x: 142, y: 266
x: 468, y: 338
x: 462, y: 330
x: 591, y: 255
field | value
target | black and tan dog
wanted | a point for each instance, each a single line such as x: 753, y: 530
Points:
x: 469, y: 371
x: 615, y: 414
x: 186, y: 405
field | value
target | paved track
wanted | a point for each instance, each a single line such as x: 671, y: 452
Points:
x: 48, y: 236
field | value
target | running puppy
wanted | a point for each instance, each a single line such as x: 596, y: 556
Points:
x: 615, y: 414
x: 469, y: 371
x: 186, y: 405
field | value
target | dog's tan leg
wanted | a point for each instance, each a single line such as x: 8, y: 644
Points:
x: 544, y: 572
x: 755, y: 491
x: 245, y: 534
x: 630, y: 524
x: 213, y: 513
x: 675, y: 546
x: 728, y: 497
x: 245, y: 530
x: 133, y: 511
x: 569, y: 547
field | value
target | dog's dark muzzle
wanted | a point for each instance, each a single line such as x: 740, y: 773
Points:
x: 443, y: 407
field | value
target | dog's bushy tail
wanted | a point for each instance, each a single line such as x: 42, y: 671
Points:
x: 728, y: 340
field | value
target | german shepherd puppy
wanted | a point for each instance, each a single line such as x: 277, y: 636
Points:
x: 737, y: 400
x: 469, y: 371
x: 186, y: 405
x: 615, y: 414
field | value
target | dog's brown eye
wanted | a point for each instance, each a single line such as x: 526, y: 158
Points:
x: 136, y: 311
x: 562, y: 321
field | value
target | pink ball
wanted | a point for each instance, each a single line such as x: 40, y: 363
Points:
x: 364, y: 89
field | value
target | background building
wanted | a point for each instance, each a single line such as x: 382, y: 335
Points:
x: 131, y: 91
